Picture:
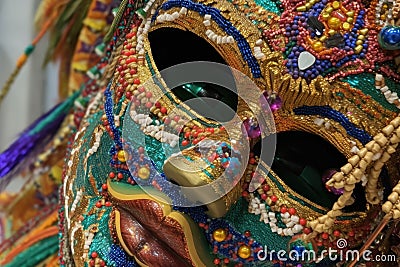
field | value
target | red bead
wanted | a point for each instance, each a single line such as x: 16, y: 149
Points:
x: 247, y: 233
x: 307, y: 230
x: 245, y: 194
x: 264, y: 196
x: 303, y: 221
x: 163, y: 110
x: 111, y: 175
x: 211, y: 130
x: 185, y: 142
x: 91, y: 263
x: 274, y: 198
x: 136, y: 81
x: 133, y: 71
x: 149, y: 105
x: 128, y: 95
x: 292, y: 211
x: 252, y: 161
x: 187, y: 135
x: 130, y: 35
x: 167, y: 121
x: 195, y: 141
x: 108, y: 204
x: 283, y: 209
x: 177, y: 118
x: 149, y: 94
x: 99, y: 205
x: 266, y: 188
x: 120, y: 175
x: 336, y: 233
x: 158, y: 104
x: 217, y: 261
x: 102, y: 263
x: 141, y: 150
x: 94, y: 254
x: 104, y: 186
x: 325, y: 235
x: 130, y: 60
x: 141, y: 89
x: 351, y: 233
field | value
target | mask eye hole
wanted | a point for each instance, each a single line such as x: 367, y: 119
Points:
x: 302, y: 158
x: 171, y: 46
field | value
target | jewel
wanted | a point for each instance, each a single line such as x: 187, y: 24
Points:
x: 326, y: 176
x: 316, y: 25
x: 334, y: 23
x: 389, y: 38
x: 335, y: 40
x: 306, y: 60
x: 219, y: 235
x: 244, y: 252
x: 274, y: 102
x: 144, y: 173
x: 252, y: 128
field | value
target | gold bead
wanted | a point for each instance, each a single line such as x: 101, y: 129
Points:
x: 325, y: 16
x: 219, y: 235
x: 331, y: 32
x: 364, y: 31
x: 329, y: 10
x: 301, y: 8
x: 323, y: 38
x: 336, y: 4
x: 121, y: 156
x: 350, y: 20
x: 359, y: 42
x: 358, y: 49
x: 346, y: 26
x: 350, y: 14
x: 144, y: 173
x: 334, y: 23
x: 244, y: 252
x: 318, y: 46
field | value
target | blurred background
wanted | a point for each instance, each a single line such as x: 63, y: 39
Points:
x: 35, y: 89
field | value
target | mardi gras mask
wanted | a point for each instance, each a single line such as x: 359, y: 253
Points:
x: 225, y: 132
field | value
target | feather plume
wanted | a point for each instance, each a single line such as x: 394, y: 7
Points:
x: 32, y: 141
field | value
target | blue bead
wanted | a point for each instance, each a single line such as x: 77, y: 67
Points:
x: 389, y: 38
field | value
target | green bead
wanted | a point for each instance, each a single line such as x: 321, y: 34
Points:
x: 29, y: 49
x: 141, y: 13
x: 100, y: 49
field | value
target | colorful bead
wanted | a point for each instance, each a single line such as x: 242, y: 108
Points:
x: 244, y: 251
x: 219, y: 235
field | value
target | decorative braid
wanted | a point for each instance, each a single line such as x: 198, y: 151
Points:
x: 376, y: 153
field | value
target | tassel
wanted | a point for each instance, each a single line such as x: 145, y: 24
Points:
x: 32, y: 140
